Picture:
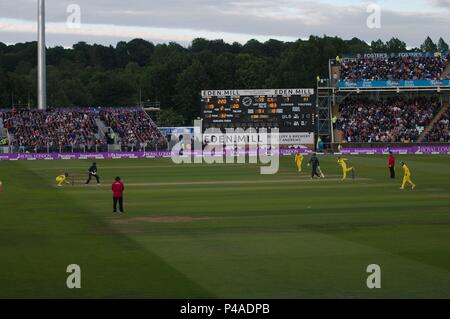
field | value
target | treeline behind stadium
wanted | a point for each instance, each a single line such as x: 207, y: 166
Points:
x: 96, y: 75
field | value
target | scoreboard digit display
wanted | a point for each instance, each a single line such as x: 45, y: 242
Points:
x: 289, y: 110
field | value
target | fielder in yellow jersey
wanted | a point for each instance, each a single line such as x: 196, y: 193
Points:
x: 407, y: 177
x: 61, y: 179
x: 345, y: 169
x: 299, y: 161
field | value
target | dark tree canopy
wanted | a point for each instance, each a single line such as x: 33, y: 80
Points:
x: 428, y: 45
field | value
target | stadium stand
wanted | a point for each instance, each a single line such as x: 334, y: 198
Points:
x: 398, y: 119
x: 133, y: 126
x: 55, y: 128
x: 395, y: 68
x: 64, y: 129
x: 440, y: 131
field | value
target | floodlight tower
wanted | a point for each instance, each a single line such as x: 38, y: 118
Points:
x: 42, y: 65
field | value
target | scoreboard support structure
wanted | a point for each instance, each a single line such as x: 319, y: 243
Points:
x: 325, y: 102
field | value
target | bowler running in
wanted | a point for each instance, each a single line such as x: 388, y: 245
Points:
x: 343, y: 163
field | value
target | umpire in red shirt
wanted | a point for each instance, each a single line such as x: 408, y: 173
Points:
x: 391, y: 164
x: 117, y: 189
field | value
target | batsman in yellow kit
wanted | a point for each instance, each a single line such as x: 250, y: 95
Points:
x: 343, y: 163
x: 407, y: 177
x: 299, y: 161
x: 61, y: 179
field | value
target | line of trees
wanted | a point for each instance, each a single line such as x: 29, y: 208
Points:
x: 138, y: 70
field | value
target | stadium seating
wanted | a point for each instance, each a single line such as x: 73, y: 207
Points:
x: 440, y: 131
x: 390, y: 120
x: 394, y: 68
x: 55, y: 128
x: 133, y: 126
x: 68, y: 128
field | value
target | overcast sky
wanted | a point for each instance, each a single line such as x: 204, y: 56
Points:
x: 110, y: 21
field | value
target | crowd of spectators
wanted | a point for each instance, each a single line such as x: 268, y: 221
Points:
x: 133, y: 126
x: 53, y: 128
x: 440, y: 131
x: 389, y: 120
x: 68, y: 128
x: 394, y: 68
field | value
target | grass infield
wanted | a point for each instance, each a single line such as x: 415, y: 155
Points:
x: 225, y: 231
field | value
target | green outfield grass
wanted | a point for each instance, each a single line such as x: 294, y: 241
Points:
x: 221, y: 231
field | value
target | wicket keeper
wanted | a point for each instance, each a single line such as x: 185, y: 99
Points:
x: 343, y: 163
x: 299, y: 161
x: 61, y: 179
x: 407, y: 177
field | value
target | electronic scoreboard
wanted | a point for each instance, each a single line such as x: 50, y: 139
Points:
x: 289, y: 110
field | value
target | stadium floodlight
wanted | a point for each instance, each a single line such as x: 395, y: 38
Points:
x: 42, y: 71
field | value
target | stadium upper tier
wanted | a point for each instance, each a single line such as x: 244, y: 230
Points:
x: 362, y: 120
x: 79, y: 127
x: 395, y: 67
